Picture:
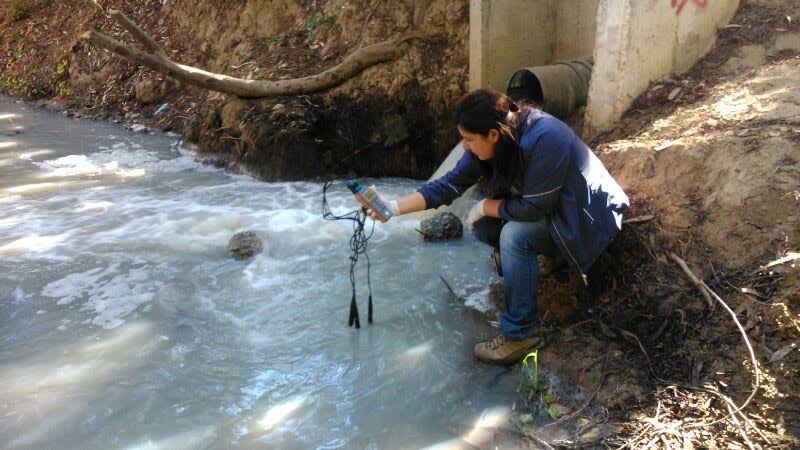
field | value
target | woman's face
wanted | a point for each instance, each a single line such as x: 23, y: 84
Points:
x: 481, y: 146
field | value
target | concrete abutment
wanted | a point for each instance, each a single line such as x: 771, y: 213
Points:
x: 633, y: 42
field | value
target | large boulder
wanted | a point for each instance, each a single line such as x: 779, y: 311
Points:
x: 442, y: 227
x: 245, y: 244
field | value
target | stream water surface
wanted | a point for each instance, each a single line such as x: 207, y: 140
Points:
x: 124, y: 324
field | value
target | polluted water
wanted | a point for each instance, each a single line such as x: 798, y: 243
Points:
x: 125, y: 324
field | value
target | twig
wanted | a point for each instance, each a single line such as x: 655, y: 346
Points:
x: 738, y: 424
x: 666, y: 443
x: 757, y: 382
x: 366, y: 21
x: 693, y: 278
x: 448, y: 287
x: 728, y: 401
x: 641, y: 347
x: 586, y: 403
x: 646, y: 427
x: 639, y: 219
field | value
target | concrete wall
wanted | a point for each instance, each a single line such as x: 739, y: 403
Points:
x: 576, y: 22
x: 639, y: 41
x: 508, y: 34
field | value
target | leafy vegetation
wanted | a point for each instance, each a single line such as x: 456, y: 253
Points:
x: 540, y: 394
x: 316, y: 18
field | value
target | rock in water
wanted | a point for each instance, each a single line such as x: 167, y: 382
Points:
x: 244, y: 245
x: 441, y: 227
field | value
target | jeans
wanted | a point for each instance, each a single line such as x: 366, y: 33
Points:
x: 520, y: 245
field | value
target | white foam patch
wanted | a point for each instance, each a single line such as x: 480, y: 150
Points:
x: 133, y: 157
x: 478, y: 299
x: 110, y: 295
x: 34, y: 187
x: 9, y: 198
x: 89, y: 206
x: 28, y: 156
x: 33, y: 243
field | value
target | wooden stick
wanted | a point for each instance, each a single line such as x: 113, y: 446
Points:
x: 739, y: 427
x: 756, y: 374
x: 136, y: 32
x: 693, y: 278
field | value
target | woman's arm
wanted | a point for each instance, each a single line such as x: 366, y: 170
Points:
x: 491, y: 208
x: 411, y: 203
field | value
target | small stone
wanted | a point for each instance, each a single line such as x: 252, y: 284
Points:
x: 442, y: 227
x: 674, y: 94
x: 245, y: 244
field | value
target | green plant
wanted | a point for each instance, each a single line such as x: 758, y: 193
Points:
x: 261, y: 50
x: 540, y: 394
x: 317, y: 17
x: 62, y: 88
x: 13, y: 38
x: 62, y: 69
x: 535, y: 385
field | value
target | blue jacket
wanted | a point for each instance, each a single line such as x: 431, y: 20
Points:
x: 563, y: 183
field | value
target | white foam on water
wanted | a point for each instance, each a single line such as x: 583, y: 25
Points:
x: 478, y: 299
x: 19, y: 295
x: 9, y: 198
x: 34, y: 243
x: 110, y: 294
x: 189, y: 440
x: 280, y: 413
x: 89, y: 206
x: 28, y: 156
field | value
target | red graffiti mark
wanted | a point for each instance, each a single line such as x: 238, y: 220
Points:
x: 679, y: 4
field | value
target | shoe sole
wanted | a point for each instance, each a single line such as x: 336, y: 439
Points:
x: 514, y: 357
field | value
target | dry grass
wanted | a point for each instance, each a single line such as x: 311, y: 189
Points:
x: 21, y: 9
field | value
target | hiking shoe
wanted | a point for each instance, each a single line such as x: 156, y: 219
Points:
x: 494, y: 260
x: 505, y: 351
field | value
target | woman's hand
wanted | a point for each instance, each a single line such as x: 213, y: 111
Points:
x: 475, y: 214
x: 394, y: 208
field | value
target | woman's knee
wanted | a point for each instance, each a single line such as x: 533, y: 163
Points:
x: 526, y: 236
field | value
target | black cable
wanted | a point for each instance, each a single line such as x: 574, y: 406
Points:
x: 358, y: 246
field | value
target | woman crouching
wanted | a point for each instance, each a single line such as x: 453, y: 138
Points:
x: 550, y: 195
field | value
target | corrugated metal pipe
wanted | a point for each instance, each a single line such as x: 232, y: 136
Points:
x: 558, y: 89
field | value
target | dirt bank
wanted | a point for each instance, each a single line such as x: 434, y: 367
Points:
x: 710, y: 161
x: 391, y: 120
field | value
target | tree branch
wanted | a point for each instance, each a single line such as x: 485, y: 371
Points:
x: 136, y: 32
x: 352, y: 65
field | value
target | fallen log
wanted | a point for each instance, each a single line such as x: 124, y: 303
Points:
x: 156, y: 59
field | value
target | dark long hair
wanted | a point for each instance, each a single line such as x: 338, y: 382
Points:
x: 482, y: 110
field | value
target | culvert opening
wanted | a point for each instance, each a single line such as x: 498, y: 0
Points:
x: 525, y: 85
x: 558, y: 89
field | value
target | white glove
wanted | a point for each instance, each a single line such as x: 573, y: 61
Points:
x: 475, y: 214
x: 393, y: 206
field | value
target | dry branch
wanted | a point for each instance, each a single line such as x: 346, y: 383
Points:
x: 352, y: 65
x: 707, y: 291
x: 693, y: 279
x: 137, y: 32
